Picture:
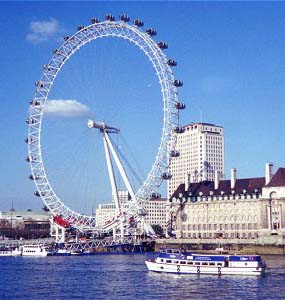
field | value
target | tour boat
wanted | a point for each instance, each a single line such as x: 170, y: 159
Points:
x: 175, y: 261
x: 10, y: 252
x: 36, y: 250
x: 62, y: 252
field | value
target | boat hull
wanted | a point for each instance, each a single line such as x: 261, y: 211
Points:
x: 199, y: 270
x: 10, y: 253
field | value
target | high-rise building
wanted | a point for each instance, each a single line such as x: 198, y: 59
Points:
x: 201, y: 154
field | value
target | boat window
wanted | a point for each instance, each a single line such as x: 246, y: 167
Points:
x: 211, y: 263
x: 161, y: 260
x: 176, y: 262
x: 168, y: 261
x: 197, y: 264
x: 219, y: 264
x: 182, y: 262
x: 189, y: 262
x: 204, y: 264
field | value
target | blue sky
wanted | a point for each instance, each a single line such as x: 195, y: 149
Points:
x: 230, y: 56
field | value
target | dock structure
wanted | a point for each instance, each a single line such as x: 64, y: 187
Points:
x: 107, y: 245
x: 110, y: 245
x: 269, y: 245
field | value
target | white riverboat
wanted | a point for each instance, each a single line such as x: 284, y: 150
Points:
x: 10, y: 252
x: 175, y: 261
x: 36, y: 250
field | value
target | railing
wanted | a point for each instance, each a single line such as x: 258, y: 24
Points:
x: 17, y: 243
x: 77, y: 245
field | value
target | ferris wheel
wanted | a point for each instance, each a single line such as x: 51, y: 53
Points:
x: 109, y: 28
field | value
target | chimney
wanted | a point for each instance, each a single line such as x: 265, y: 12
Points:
x: 217, y: 179
x: 233, y: 177
x: 268, y: 172
x: 187, y: 181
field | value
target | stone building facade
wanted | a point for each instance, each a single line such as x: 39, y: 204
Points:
x: 248, y: 208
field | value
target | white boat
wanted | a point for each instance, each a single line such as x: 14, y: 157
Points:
x: 174, y: 261
x: 62, y: 252
x: 36, y: 250
x: 10, y: 252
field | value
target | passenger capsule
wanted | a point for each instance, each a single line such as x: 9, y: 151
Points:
x: 177, y: 83
x: 57, y: 52
x: 138, y: 23
x: 151, y: 31
x: 162, y: 45
x: 124, y: 18
x: 142, y: 212
x: 30, y: 159
x: 29, y: 140
x: 39, y: 84
x: 171, y: 62
x: 30, y: 121
x: 35, y: 103
x: 155, y: 195
x: 32, y: 177
x: 174, y: 153
x: 95, y: 20
x: 80, y: 27
x: 179, y: 129
x: 180, y: 105
x: 47, y: 67
x: 38, y: 194
x: 166, y: 176
x: 109, y: 17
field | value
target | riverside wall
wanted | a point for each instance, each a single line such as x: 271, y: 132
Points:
x: 269, y: 245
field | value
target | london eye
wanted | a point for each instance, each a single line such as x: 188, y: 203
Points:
x: 143, y: 39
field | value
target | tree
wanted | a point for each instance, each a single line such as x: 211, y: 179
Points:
x: 157, y: 229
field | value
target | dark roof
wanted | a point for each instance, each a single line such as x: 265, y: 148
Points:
x: 250, y: 185
x: 201, y: 123
x: 278, y: 179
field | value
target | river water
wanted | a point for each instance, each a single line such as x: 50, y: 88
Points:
x: 126, y: 277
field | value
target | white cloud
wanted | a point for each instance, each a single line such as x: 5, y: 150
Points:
x: 42, y: 31
x: 66, y: 108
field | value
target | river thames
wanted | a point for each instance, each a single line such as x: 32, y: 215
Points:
x: 126, y: 277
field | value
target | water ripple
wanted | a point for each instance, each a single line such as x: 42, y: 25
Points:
x: 126, y: 277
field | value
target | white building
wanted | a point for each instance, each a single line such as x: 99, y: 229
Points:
x: 20, y: 219
x: 201, y: 153
x: 248, y: 208
x: 123, y: 196
x: 156, y: 209
x: 105, y: 213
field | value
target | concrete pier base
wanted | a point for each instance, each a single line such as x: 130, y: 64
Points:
x: 268, y: 245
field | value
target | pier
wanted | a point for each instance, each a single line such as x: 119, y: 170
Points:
x: 93, y: 246
x: 264, y: 245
